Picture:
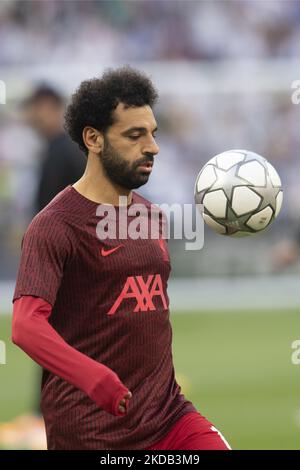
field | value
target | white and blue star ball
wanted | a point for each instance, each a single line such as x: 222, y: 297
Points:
x: 240, y: 191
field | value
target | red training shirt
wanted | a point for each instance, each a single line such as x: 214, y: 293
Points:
x: 109, y: 303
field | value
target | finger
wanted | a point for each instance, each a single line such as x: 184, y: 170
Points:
x: 122, y: 409
x: 123, y: 405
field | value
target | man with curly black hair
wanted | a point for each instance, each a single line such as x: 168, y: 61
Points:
x: 112, y: 106
x: 91, y: 305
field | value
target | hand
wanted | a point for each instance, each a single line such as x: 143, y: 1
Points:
x: 124, y: 402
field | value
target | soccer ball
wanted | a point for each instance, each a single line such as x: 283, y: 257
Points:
x: 240, y: 192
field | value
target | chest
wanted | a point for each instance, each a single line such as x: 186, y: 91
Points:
x: 119, y: 252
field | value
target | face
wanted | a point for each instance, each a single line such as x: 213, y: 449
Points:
x: 44, y: 116
x: 129, y: 146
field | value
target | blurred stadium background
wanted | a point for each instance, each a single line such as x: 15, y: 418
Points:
x: 224, y: 70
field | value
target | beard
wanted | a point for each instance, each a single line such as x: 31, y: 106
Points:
x: 120, y: 171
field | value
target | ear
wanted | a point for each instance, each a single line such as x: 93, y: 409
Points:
x: 93, y: 139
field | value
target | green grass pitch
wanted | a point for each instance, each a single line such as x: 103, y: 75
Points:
x: 235, y: 367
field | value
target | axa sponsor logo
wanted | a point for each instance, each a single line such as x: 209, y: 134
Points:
x: 143, y: 291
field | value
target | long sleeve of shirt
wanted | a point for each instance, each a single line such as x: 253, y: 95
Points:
x: 32, y: 332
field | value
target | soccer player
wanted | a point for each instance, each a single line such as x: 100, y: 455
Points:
x: 93, y: 311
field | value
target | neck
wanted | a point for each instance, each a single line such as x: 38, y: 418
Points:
x: 95, y: 185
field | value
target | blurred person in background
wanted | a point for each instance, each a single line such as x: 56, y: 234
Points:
x: 61, y: 163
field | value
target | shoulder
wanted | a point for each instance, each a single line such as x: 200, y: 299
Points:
x: 46, y: 220
x: 57, y: 210
x: 51, y: 225
x: 61, y: 208
x: 63, y: 150
x: 61, y: 145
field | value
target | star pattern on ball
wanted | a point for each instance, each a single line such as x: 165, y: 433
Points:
x: 268, y: 194
x: 254, y: 157
x: 228, y: 180
x: 234, y: 223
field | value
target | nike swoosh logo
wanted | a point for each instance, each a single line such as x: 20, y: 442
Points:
x: 105, y: 252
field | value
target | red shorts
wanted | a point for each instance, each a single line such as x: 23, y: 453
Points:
x: 192, y: 432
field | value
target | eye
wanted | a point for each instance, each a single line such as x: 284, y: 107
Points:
x: 133, y: 137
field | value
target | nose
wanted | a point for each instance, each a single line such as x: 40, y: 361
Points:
x: 151, y: 147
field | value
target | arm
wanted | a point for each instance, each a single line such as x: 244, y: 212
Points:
x: 32, y: 332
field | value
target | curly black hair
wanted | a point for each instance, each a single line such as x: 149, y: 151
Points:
x: 95, y: 100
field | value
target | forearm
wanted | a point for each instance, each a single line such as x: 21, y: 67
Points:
x: 32, y: 332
